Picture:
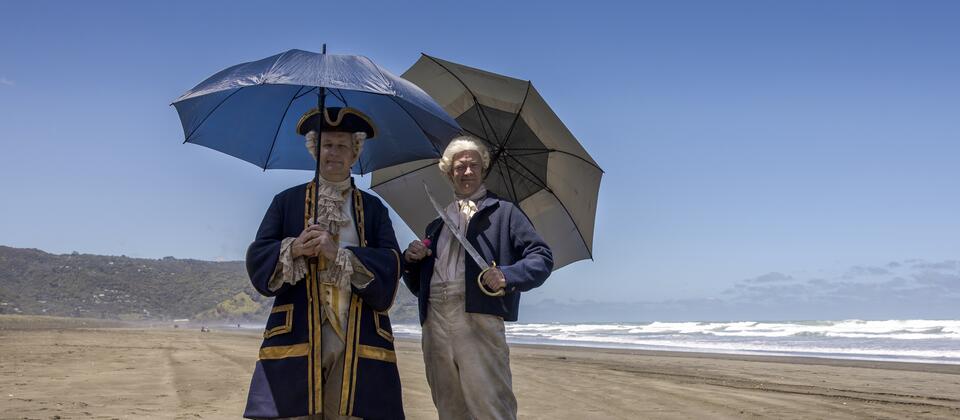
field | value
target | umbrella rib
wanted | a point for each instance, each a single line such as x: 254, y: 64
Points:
x: 535, y: 179
x: 496, y: 157
x: 490, y: 171
x: 187, y: 139
x: 403, y: 175
x: 513, y: 186
x: 516, y: 117
x: 483, y: 115
x: 496, y: 136
x: 277, y: 133
x: 564, y: 206
x: 312, y: 88
x: 480, y: 117
x: 540, y: 151
x: 532, y: 152
x: 341, y: 97
x: 472, y: 133
x: 416, y: 121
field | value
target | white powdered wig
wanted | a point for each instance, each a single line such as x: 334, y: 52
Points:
x: 463, y: 144
x: 312, y: 137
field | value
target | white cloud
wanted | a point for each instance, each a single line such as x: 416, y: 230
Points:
x: 772, y: 277
x: 943, y: 265
x: 6, y: 82
x: 934, y: 281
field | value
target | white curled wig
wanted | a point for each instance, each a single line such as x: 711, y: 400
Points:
x: 313, y: 137
x: 463, y: 144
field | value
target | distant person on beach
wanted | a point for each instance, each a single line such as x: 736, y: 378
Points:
x: 328, y: 345
x: 464, y: 347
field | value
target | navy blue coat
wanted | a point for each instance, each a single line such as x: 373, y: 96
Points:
x: 286, y: 380
x: 500, y: 232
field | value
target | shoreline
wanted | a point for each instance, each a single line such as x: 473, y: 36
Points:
x: 747, y: 354
x: 947, y: 368
x: 8, y: 321
x: 88, y: 369
x: 907, y: 365
x: 918, y: 365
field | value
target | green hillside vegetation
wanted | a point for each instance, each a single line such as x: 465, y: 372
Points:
x: 33, y: 282
x: 239, y: 307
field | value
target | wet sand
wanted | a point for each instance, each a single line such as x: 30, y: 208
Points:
x: 53, y: 367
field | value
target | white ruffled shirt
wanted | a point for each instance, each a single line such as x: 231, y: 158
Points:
x: 335, y: 214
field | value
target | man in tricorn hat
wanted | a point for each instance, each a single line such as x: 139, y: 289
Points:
x: 328, y: 254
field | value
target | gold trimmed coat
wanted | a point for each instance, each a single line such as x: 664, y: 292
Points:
x: 286, y: 379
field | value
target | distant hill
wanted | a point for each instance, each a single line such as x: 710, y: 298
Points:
x: 34, y: 282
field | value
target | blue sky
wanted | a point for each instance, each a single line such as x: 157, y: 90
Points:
x: 739, y: 138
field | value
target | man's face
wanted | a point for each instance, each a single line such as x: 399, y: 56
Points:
x: 336, y: 155
x: 466, y: 172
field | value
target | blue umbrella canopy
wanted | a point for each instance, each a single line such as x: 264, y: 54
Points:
x: 250, y: 110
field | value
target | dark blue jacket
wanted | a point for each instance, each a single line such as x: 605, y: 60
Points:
x: 282, y: 384
x: 500, y: 232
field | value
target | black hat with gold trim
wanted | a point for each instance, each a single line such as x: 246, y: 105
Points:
x: 348, y: 120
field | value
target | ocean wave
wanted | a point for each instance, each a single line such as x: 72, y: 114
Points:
x: 895, y: 329
x: 918, y: 340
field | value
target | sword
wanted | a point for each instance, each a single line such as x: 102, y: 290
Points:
x: 467, y: 246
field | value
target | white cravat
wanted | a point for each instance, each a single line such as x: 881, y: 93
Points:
x: 448, y: 270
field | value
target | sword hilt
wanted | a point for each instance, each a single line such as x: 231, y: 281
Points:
x: 483, y: 288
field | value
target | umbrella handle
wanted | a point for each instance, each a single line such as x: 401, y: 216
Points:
x: 483, y: 288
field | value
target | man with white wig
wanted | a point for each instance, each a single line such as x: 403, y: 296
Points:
x: 328, y: 348
x: 464, y: 347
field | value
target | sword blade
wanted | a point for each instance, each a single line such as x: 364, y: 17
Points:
x: 467, y: 246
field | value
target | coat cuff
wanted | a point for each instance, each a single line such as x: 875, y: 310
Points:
x: 289, y: 270
x: 513, y: 285
x: 361, y: 276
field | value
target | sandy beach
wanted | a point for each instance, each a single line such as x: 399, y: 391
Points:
x: 61, y: 368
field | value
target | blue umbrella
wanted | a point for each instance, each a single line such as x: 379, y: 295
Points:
x: 250, y: 110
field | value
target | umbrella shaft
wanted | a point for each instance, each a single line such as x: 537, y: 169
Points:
x: 321, y: 105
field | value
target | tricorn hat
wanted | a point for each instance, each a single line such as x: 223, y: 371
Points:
x: 347, y: 120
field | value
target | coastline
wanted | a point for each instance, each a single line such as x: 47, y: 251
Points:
x: 83, y: 369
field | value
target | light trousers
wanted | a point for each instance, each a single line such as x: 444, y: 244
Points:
x: 467, y: 361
